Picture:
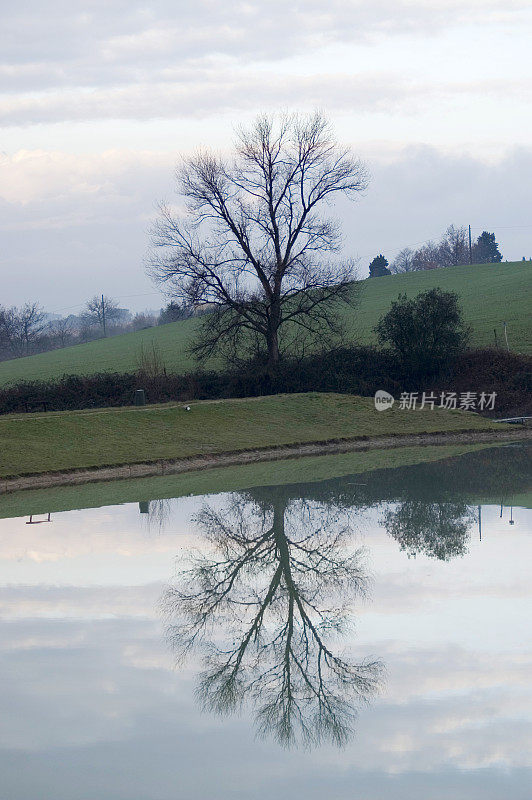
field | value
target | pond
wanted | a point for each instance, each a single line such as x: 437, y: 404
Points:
x: 337, y: 628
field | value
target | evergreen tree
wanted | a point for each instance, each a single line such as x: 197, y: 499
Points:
x: 486, y: 249
x: 379, y: 267
x: 173, y: 312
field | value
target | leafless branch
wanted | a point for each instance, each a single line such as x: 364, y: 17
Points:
x: 253, y: 235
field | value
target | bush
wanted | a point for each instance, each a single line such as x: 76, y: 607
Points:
x: 357, y: 370
x: 425, y: 334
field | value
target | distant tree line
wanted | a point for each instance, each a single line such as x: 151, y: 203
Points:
x: 28, y: 329
x: 451, y: 251
x: 422, y: 345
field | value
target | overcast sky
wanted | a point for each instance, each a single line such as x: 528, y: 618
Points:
x: 98, y: 99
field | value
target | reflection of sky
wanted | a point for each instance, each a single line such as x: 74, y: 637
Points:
x: 92, y: 707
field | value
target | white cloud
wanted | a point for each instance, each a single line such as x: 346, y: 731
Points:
x: 99, y: 99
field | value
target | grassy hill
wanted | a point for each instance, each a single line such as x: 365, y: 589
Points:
x: 67, y: 440
x: 490, y: 295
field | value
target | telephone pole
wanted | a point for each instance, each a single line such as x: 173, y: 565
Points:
x: 470, y: 251
x: 103, y: 316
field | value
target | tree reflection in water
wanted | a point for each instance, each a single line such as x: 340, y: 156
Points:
x: 439, y: 530
x: 266, y: 608
x: 267, y: 604
x: 156, y: 513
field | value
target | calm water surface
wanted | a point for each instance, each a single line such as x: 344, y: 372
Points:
x: 358, y: 638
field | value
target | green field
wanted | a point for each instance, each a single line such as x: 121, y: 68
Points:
x: 490, y: 295
x: 67, y: 440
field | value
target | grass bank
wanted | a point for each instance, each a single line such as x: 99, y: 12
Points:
x: 478, y: 473
x: 74, y: 440
x: 221, y: 479
x: 490, y: 294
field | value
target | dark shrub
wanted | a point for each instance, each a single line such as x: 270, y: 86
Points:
x: 425, y: 334
x: 490, y: 370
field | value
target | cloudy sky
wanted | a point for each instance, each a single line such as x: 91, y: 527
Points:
x: 98, y: 99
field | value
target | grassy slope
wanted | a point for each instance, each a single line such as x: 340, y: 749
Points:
x: 221, y: 479
x: 77, y: 439
x: 490, y: 294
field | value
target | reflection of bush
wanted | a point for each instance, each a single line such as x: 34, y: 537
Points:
x: 264, y: 609
x: 439, y: 530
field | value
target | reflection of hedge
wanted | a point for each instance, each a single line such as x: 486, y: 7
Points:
x: 357, y: 370
x: 491, y: 474
x: 427, y: 507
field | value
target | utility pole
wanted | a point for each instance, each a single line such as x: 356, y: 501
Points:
x: 470, y: 251
x: 103, y: 316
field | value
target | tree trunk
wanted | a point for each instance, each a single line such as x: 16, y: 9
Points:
x: 273, y: 351
x: 273, y: 336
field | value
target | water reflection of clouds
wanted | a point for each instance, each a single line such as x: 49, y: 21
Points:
x: 123, y: 532
x: 115, y: 529
x: 455, y: 719
x: 443, y: 709
x: 96, y: 546
x: 78, y: 602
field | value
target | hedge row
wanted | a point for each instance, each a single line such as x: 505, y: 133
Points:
x: 357, y: 370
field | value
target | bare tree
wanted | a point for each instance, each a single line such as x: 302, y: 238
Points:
x: 427, y: 257
x: 20, y: 328
x: 101, y: 311
x: 404, y: 261
x: 32, y: 324
x: 142, y: 320
x: 8, y: 330
x: 276, y: 591
x: 62, y: 330
x: 454, y: 247
x: 254, y: 243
